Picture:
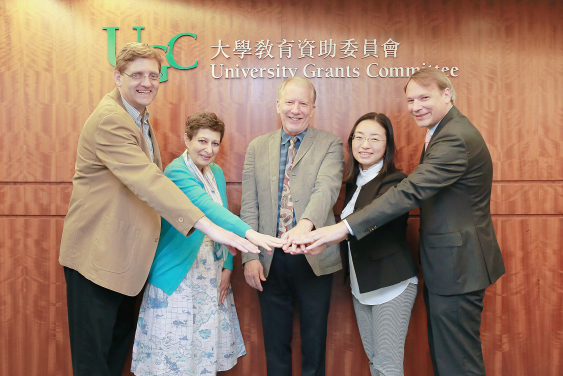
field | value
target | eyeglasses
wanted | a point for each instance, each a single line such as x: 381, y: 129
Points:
x: 139, y: 76
x: 361, y: 139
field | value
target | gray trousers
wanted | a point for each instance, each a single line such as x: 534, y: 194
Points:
x: 383, y: 329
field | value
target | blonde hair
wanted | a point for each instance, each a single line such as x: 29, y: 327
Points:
x: 135, y: 50
x: 300, y: 81
x: 428, y: 76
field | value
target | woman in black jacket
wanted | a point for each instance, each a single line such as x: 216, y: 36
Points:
x: 382, y: 268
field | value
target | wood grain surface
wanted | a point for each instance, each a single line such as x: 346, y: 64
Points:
x: 55, y: 69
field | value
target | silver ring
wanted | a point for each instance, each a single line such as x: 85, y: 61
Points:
x: 314, y: 239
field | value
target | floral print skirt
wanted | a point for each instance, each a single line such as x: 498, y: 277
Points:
x: 188, y: 333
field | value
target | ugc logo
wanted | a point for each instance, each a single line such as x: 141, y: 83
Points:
x: 168, y: 49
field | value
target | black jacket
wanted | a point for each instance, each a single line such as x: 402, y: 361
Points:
x: 382, y: 258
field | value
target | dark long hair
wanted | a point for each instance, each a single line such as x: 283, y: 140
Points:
x: 353, y: 167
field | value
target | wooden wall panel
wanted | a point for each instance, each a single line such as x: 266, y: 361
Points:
x: 530, y: 296
x: 510, y: 53
x: 33, y: 320
x: 496, y: 50
x: 35, y: 199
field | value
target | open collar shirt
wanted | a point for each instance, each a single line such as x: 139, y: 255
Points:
x: 142, y: 123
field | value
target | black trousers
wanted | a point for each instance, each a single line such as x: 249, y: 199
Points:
x: 291, y: 280
x: 101, y: 323
x: 454, y: 335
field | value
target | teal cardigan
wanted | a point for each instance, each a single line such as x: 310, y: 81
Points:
x: 176, y: 253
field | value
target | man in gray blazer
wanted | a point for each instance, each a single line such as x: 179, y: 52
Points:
x: 458, y: 248
x: 291, y: 180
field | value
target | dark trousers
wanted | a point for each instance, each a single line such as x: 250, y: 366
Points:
x: 292, y: 279
x: 454, y: 335
x: 100, y: 323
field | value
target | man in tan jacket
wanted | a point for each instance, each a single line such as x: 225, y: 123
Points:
x: 112, y: 227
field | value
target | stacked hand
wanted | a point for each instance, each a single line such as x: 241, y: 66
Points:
x: 298, y: 240
x: 302, y: 228
x: 253, y: 269
x: 316, y: 241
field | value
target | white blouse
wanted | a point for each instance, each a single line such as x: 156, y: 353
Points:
x: 383, y: 294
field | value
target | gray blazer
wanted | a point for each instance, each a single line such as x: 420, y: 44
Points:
x: 452, y: 186
x: 315, y: 185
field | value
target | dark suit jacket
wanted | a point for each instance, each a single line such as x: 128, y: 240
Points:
x: 382, y: 258
x: 452, y: 186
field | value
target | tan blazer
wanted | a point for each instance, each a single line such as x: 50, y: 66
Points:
x: 315, y: 185
x: 112, y: 227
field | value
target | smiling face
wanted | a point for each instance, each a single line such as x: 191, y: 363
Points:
x: 203, y: 147
x: 295, y: 108
x: 138, y: 93
x: 427, y: 104
x: 369, y: 143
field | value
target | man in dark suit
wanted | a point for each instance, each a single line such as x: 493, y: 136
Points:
x: 459, y: 252
x: 290, y: 182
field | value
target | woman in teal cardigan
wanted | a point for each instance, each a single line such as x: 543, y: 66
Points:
x: 188, y: 322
